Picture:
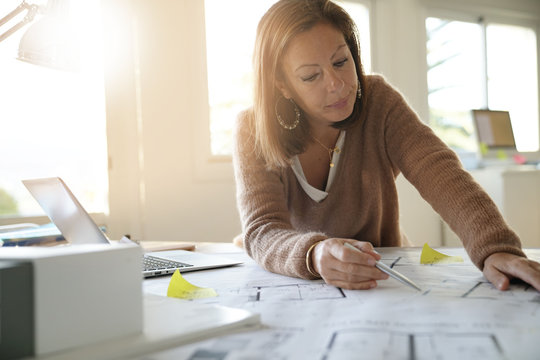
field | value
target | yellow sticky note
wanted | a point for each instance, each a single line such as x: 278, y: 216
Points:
x: 183, y: 289
x: 430, y: 256
x: 483, y: 148
x: 501, y: 155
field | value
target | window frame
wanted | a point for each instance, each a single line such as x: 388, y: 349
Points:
x: 473, y: 13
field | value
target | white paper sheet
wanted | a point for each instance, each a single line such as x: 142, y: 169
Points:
x: 459, y: 315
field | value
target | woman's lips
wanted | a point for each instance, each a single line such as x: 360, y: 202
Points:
x: 340, y: 103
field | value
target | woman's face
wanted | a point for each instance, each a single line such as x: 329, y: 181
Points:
x: 320, y: 75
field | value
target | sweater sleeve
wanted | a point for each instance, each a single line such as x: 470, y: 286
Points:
x: 437, y: 173
x: 269, y: 237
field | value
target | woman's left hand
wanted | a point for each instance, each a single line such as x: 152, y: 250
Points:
x: 500, y: 268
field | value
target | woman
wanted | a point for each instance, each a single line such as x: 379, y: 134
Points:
x: 317, y: 156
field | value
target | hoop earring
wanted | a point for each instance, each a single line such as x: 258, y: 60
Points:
x: 280, y: 120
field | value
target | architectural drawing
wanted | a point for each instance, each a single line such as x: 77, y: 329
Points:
x: 308, y: 292
x: 458, y: 315
x: 382, y: 344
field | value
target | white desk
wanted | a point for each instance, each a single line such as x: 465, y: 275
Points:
x: 457, y: 316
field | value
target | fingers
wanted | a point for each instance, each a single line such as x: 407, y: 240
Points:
x: 365, y: 285
x: 532, y: 275
x: 345, y: 267
x: 354, y: 273
x: 352, y: 254
x: 366, y: 248
x: 499, y: 268
x: 497, y: 278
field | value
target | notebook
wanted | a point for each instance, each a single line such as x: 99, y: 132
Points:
x: 65, y: 211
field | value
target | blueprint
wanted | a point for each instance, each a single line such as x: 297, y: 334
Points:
x: 457, y: 315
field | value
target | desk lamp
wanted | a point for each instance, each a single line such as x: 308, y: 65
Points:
x: 49, y: 41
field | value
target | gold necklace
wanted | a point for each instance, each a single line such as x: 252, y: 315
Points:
x: 336, y: 150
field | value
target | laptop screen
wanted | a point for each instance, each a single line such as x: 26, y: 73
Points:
x: 494, y: 129
x: 65, y: 211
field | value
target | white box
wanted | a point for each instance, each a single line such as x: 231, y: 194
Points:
x: 83, y: 294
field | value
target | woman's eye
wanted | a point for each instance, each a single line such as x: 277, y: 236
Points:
x: 341, y: 62
x: 310, y: 77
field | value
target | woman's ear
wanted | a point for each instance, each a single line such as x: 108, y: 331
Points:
x: 283, y: 89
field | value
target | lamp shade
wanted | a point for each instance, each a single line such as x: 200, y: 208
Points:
x: 50, y: 42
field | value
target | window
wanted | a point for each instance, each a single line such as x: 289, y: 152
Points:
x: 474, y: 65
x: 52, y: 121
x: 229, y: 51
x: 512, y: 79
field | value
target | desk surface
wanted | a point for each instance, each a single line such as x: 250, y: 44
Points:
x: 457, y: 315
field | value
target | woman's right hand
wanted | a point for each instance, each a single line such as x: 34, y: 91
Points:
x: 346, y: 268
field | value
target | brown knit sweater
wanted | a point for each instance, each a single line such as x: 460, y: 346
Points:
x: 280, y: 221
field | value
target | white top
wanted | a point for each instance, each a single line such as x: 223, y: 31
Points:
x: 314, y: 193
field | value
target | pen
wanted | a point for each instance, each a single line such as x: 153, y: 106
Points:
x: 391, y: 272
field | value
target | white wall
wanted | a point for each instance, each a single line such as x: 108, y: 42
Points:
x: 156, y: 103
x: 163, y: 185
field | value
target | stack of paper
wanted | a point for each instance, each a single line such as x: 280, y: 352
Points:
x: 44, y: 235
x: 169, y: 322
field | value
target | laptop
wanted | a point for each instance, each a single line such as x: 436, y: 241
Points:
x: 76, y: 225
x: 495, y: 137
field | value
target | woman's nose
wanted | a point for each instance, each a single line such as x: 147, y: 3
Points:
x: 335, y: 82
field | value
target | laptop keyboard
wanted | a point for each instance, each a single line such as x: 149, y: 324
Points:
x: 151, y: 263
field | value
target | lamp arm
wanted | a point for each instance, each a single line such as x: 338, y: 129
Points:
x: 31, y: 13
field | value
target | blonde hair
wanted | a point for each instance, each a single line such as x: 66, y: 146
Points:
x: 284, y: 20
